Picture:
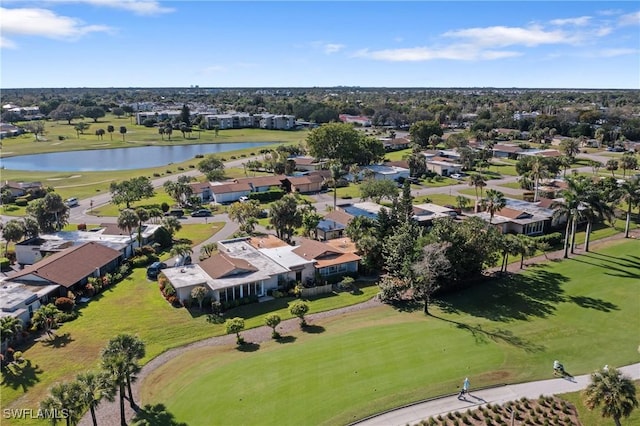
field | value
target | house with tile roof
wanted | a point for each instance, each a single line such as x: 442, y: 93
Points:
x: 333, y: 225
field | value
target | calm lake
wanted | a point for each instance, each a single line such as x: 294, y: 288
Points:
x: 119, y: 158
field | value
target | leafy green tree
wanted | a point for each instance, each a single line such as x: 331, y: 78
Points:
x: 185, y: 115
x: 128, y: 221
x: 49, y: 212
x: 246, y: 214
x: 421, y: 131
x: 179, y: 190
x: 528, y: 247
x: 235, y: 326
x: 45, y: 318
x: 344, y: 144
x: 199, y: 293
x: 612, y: 166
x: 94, y: 112
x: 613, y: 392
x: 181, y: 250
x: 310, y: 221
x: 35, y: 127
x: 168, y: 130
x: 80, y: 127
x: 94, y: 387
x: 124, y: 351
x: 100, y: 133
x: 13, y: 230
x: 161, y: 132
x: 377, y: 189
x: 594, y: 208
x: 511, y: 244
x: 66, y: 112
x: 473, y: 246
x: 401, y: 250
x: 429, y: 271
x: 285, y: 216
x: 272, y: 321
x: 299, y: 309
x: 212, y: 167
x: 132, y: 190
x: 117, y: 111
x: 493, y: 202
x: 123, y: 131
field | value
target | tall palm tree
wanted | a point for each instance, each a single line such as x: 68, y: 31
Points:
x: 493, y: 202
x: 612, y: 166
x: 93, y: 388
x: 528, y: 247
x: 594, y: 207
x: 181, y: 250
x: 111, y: 129
x: 123, y: 131
x: 538, y: 171
x: 511, y: 244
x: 477, y: 180
x: 143, y: 216
x: 630, y: 194
x: 613, y: 392
x: 116, y: 366
x: 568, y: 206
x: 132, y: 349
x: 128, y: 220
x: 65, y: 396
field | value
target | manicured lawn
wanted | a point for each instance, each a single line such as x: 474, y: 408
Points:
x: 503, y: 331
x: 132, y: 306
x: 439, y: 199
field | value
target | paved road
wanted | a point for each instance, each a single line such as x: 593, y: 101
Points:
x: 496, y: 395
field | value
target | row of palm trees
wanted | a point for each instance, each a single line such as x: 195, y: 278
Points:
x: 119, y: 365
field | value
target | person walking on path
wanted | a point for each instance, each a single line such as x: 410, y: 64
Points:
x: 465, y: 388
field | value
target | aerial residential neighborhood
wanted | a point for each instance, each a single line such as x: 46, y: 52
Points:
x: 329, y: 226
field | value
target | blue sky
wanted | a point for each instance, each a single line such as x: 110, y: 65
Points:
x: 119, y: 43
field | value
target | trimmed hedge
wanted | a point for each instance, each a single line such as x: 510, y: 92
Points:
x: 268, y: 196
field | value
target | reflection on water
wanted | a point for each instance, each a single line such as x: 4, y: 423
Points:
x: 119, y: 158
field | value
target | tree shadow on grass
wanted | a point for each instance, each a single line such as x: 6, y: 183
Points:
x: 512, y: 297
x: 408, y: 305
x: 22, y: 376
x: 610, y: 260
x: 58, y: 341
x: 155, y: 415
x: 249, y: 347
x: 286, y: 339
x: 591, y: 303
x: 313, y: 329
x: 498, y: 335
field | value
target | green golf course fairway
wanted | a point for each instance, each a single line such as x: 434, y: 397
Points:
x: 579, y: 311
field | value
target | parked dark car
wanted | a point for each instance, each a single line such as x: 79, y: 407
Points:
x: 201, y: 213
x: 175, y: 212
x: 154, y: 269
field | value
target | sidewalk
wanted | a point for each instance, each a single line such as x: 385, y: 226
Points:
x: 414, y: 413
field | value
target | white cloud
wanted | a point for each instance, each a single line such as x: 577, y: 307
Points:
x: 508, y: 36
x: 610, y: 53
x: 418, y: 54
x: 578, y: 22
x: 630, y: 19
x: 330, y: 48
x: 5, y: 43
x: 139, y: 7
x: 45, y: 23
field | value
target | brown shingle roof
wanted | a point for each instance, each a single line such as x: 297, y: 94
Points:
x: 339, y: 216
x: 220, y: 265
x: 512, y: 213
x: 226, y: 188
x: 305, y: 180
x: 260, y: 181
x: 312, y: 249
x: 198, y: 187
x: 401, y: 163
x: 266, y: 241
x: 72, y: 265
x: 507, y: 148
x: 112, y: 229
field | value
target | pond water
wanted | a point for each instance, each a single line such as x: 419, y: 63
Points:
x: 119, y: 158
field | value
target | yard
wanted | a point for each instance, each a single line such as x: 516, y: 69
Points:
x: 132, y: 306
x: 382, y: 357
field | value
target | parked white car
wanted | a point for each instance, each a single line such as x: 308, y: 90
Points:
x: 71, y: 202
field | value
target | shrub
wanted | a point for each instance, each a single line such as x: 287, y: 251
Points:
x: 181, y: 168
x: 192, y: 166
x: 89, y: 290
x: 66, y: 316
x: 11, y: 255
x: 272, y: 194
x: 165, y: 207
x: 22, y: 201
x: 169, y: 290
x: 82, y: 227
x: 156, y: 174
x: 4, y: 263
x: 64, y: 304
